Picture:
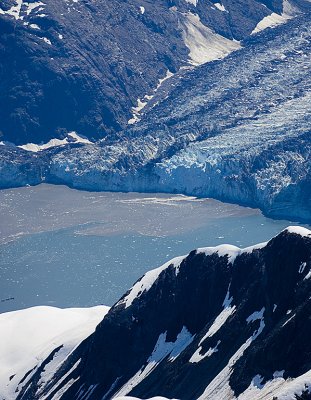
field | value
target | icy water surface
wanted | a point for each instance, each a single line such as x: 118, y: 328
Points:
x: 69, y: 248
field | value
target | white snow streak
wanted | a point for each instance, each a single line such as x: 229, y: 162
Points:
x: 161, y: 350
x: 219, y: 321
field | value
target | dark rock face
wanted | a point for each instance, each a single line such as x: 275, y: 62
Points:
x: 82, y: 65
x: 206, y: 325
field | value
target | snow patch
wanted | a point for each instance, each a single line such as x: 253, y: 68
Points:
x: 280, y: 388
x: 161, y: 350
x: 142, y: 103
x: 15, y: 11
x: 308, y: 276
x: 220, y: 388
x: 32, y: 6
x: 257, y: 315
x: 219, y: 321
x: 205, y: 45
x: 34, y: 26
x: 220, y: 7
x: 73, y: 137
x: 271, y: 21
x: 46, y: 40
x: 28, y: 336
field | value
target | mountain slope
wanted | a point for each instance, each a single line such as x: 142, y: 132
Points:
x: 83, y: 65
x: 219, y: 323
x: 236, y: 129
x: 30, y: 336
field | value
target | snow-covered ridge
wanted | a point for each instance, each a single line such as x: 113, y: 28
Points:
x: 29, y: 336
x: 146, y: 282
x: 73, y: 137
x: 298, y: 230
x: 224, y: 250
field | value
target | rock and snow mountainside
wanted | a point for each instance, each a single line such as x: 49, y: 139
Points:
x: 40, y: 334
x: 220, y: 323
x: 236, y: 129
x: 87, y: 65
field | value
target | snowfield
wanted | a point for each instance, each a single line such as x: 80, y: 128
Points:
x: 29, y: 336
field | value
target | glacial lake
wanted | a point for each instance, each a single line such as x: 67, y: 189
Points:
x: 70, y: 248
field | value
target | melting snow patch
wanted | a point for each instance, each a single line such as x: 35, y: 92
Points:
x: 161, y: 350
x: 197, y: 357
x: 32, y: 6
x: 257, y: 315
x: 46, y: 40
x: 220, y: 388
x: 136, y: 110
x: 14, y: 11
x: 34, y: 26
x: 220, y: 7
x: 280, y: 388
x: 205, y: 45
x: 271, y: 21
x: 219, y: 321
x: 73, y: 137
x: 278, y: 374
x: 257, y: 381
x: 308, y: 276
x: 141, y: 104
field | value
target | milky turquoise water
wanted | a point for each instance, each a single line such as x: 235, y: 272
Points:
x: 71, y: 248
